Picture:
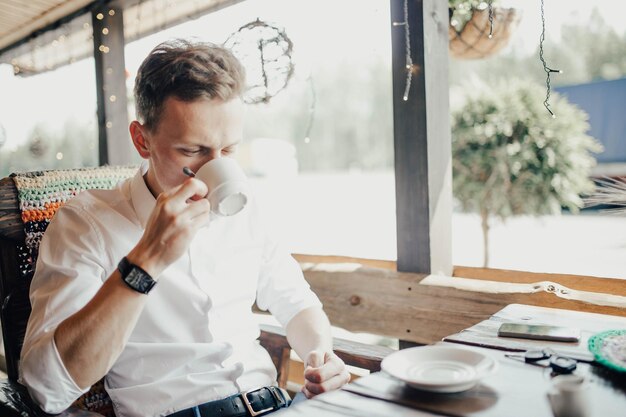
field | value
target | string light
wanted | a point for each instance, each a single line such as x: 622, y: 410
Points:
x: 547, y: 69
x: 490, y: 19
x: 312, y: 107
x: 407, y: 47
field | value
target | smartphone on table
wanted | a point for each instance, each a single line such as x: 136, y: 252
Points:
x: 539, y: 332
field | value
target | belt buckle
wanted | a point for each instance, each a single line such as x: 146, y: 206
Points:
x: 252, y: 411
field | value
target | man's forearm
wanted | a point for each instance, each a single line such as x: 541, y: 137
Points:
x: 92, y: 339
x: 309, y: 330
x: 310, y: 336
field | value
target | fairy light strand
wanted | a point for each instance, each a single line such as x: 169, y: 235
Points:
x: 311, y: 112
x: 490, y: 4
x: 546, y: 68
x: 407, y: 49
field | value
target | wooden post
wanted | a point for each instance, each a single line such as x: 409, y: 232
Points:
x: 422, y: 144
x: 422, y: 138
x: 115, y: 146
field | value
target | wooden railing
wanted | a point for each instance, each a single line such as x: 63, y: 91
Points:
x: 370, y: 296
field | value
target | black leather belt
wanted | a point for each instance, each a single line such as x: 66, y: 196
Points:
x: 251, y: 403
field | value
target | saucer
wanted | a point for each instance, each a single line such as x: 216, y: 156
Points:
x: 445, y: 369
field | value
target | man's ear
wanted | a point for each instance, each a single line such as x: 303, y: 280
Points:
x: 137, y: 133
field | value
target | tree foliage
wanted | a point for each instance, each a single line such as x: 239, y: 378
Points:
x: 511, y: 158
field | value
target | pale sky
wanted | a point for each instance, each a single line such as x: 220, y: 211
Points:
x: 321, y: 30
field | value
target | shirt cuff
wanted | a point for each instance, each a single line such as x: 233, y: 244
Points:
x: 49, y: 383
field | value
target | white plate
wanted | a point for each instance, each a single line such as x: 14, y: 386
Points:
x: 439, y: 368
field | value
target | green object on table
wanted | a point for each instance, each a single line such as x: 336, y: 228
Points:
x: 609, y: 349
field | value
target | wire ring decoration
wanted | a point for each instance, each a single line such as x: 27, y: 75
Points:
x: 265, y: 51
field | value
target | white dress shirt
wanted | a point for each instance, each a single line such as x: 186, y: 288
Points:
x: 195, y: 341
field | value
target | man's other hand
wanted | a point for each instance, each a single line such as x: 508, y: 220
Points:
x: 323, y: 372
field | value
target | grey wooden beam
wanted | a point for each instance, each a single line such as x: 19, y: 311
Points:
x: 115, y: 146
x: 422, y: 147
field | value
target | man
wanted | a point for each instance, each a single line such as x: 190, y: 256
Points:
x: 139, y: 284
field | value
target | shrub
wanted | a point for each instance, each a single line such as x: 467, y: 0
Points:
x: 511, y: 158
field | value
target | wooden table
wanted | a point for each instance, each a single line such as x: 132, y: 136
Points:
x: 516, y: 389
x: 485, y: 333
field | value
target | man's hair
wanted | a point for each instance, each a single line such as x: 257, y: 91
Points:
x: 188, y: 71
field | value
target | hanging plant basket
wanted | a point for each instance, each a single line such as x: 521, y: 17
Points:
x: 472, y: 41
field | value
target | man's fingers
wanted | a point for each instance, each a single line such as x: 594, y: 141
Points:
x: 190, y: 189
x: 202, y: 219
x: 196, y: 208
x: 333, y: 366
x: 330, y: 376
x: 307, y: 393
x: 330, y: 384
x: 182, y: 197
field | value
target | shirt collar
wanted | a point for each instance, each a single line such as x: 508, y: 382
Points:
x: 142, y: 199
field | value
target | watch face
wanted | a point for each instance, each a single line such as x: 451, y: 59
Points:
x: 138, y: 280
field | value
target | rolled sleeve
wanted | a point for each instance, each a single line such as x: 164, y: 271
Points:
x: 282, y: 288
x: 44, y: 374
x: 67, y: 277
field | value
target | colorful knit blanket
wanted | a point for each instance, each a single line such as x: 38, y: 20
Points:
x: 41, y: 193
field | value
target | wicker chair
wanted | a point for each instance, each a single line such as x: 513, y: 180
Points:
x: 27, y: 203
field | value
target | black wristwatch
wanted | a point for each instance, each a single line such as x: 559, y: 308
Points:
x: 135, y: 277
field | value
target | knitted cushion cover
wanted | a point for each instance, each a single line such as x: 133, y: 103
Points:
x: 40, y: 195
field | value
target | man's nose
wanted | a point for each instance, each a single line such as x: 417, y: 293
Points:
x: 214, y: 154
x: 207, y: 158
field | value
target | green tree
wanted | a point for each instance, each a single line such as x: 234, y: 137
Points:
x: 511, y: 158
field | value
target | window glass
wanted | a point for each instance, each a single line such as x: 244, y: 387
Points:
x: 48, y: 120
x: 587, y: 42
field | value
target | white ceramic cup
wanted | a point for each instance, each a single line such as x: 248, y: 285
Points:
x: 569, y: 396
x: 229, y: 190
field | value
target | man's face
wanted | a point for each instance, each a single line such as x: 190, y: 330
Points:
x: 189, y: 134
